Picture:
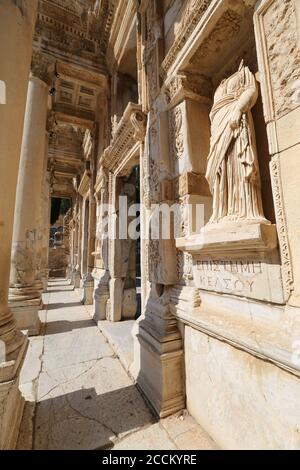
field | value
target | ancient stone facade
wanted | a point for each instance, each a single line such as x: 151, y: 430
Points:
x: 186, y: 103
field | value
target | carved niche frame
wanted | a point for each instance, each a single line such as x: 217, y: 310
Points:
x: 271, y: 125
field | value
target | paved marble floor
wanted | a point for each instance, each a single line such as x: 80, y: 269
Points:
x: 78, y: 394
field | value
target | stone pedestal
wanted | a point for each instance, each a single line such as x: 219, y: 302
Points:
x: 16, y: 27
x: 129, y: 307
x: 101, y: 296
x: 88, y: 289
x: 25, y: 287
x: 161, y: 357
x: 116, y: 286
x: 76, y: 277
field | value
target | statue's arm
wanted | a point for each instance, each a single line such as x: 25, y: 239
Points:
x: 249, y: 96
x: 246, y: 100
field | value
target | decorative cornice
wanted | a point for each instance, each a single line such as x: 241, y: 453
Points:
x: 193, y: 13
x: 129, y: 132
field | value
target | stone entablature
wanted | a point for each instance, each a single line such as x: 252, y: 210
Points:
x: 194, y: 10
x: 219, y: 21
x: 69, y: 32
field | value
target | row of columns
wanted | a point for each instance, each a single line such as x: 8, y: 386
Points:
x: 17, y: 21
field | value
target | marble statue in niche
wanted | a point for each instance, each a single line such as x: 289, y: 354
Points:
x: 232, y: 167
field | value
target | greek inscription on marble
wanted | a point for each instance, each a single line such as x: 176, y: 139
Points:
x: 244, y: 277
x: 226, y: 284
x: 234, y: 267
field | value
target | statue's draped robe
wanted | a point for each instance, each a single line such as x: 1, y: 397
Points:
x: 232, y: 168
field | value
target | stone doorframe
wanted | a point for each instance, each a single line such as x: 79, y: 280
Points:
x: 117, y: 162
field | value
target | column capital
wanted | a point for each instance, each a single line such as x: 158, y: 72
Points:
x: 187, y: 85
x: 42, y: 67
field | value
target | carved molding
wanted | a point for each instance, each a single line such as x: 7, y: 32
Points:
x: 287, y: 273
x: 282, y: 96
x: 87, y: 145
x: 194, y: 13
x: 154, y: 259
x: 226, y: 28
x: 176, y: 132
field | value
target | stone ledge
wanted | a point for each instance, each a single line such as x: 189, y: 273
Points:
x: 248, y: 330
x: 230, y: 237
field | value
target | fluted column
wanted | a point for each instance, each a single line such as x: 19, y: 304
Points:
x: 16, y: 28
x: 25, y: 285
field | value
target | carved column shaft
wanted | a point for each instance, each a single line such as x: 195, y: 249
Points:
x: 25, y: 287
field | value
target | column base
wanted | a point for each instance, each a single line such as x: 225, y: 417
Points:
x: 88, y: 290
x: 26, y: 314
x: 11, y: 399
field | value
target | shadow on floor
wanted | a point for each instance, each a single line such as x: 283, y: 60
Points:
x: 58, y: 305
x: 85, y: 419
x: 63, y: 326
x: 55, y: 291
